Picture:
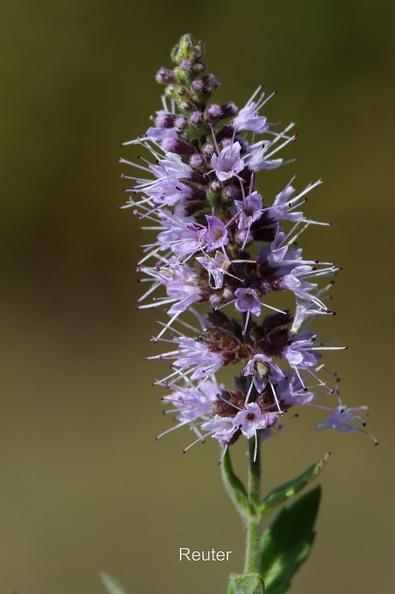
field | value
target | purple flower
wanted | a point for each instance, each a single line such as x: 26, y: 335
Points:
x: 248, y: 118
x: 298, y: 353
x: 221, y: 428
x: 263, y: 369
x: 216, y: 235
x: 284, y: 205
x: 249, y: 210
x: 250, y: 420
x: 259, y: 158
x: 198, y: 357
x: 291, y: 391
x: 341, y: 420
x: 192, y: 404
x: 216, y: 268
x: 166, y: 187
x: 247, y: 300
x: 182, y: 236
x: 158, y: 133
x: 228, y: 163
x: 183, y: 289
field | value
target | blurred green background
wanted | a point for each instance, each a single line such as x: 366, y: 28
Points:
x: 84, y: 486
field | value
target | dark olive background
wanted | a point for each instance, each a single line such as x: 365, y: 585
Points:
x: 84, y: 485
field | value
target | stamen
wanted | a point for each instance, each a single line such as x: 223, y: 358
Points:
x: 167, y: 326
x: 275, y: 398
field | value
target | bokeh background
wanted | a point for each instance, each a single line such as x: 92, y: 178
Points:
x: 84, y: 486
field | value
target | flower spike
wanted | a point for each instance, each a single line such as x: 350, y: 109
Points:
x: 222, y: 253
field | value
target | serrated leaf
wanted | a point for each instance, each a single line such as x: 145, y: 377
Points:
x: 288, y: 541
x: 247, y: 583
x: 288, y: 490
x: 234, y: 486
x: 111, y: 585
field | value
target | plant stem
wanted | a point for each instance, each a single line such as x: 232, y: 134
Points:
x: 253, y: 521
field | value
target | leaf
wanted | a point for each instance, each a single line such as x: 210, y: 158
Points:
x: 288, y: 541
x: 111, y: 585
x: 291, y: 488
x: 247, y: 583
x: 235, y: 487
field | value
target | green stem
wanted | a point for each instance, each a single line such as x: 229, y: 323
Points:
x: 253, y: 520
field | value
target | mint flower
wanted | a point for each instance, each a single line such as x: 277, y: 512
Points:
x: 228, y: 163
x: 222, y: 252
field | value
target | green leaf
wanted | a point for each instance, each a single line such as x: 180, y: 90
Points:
x: 235, y: 487
x: 288, y: 541
x: 291, y: 488
x: 111, y: 585
x: 246, y: 583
